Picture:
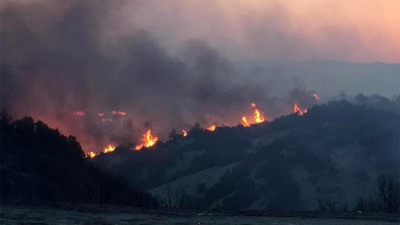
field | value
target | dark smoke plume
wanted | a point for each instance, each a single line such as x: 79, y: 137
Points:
x: 57, y: 58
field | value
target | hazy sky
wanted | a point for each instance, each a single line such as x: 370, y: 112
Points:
x: 292, y: 30
x: 300, y: 30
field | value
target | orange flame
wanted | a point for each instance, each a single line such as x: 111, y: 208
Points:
x: 316, y: 97
x: 211, y: 128
x: 148, y: 140
x: 258, y: 118
x: 109, y: 148
x: 296, y: 109
x: 184, y: 133
x: 100, y: 114
x: 79, y: 113
x: 244, y: 122
x: 118, y: 113
x: 91, y: 154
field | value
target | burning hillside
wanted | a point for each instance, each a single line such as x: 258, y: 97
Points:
x: 237, y: 166
x: 111, y: 89
x: 148, y: 139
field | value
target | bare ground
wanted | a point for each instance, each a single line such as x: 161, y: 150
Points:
x: 93, y: 214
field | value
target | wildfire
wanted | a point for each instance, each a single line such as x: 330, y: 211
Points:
x: 109, y: 148
x: 211, y: 128
x: 316, y: 97
x: 184, y: 133
x: 79, y: 113
x: 244, y: 122
x: 100, y: 114
x: 296, y: 109
x: 147, y: 141
x: 118, y: 113
x: 91, y: 154
x: 258, y: 118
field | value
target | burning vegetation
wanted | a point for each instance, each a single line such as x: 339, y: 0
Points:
x: 118, y: 113
x: 211, y: 128
x: 109, y: 148
x: 258, y: 116
x: 91, y: 154
x: 296, y: 109
x: 244, y: 121
x: 147, y: 141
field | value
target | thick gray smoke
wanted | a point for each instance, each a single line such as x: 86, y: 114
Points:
x: 57, y: 59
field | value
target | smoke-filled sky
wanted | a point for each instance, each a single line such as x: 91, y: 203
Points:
x: 355, y: 30
x: 168, y: 64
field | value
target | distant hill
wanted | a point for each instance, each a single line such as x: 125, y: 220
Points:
x: 333, y: 152
x: 40, y: 165
x: 330, y: 78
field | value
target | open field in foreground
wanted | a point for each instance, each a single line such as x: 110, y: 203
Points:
x: 88, y: 214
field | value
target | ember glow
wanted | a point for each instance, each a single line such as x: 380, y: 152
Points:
x: 316, y: 97
x: 106, y: 120
x: 211, y: 128
x: 100, y: 114
x: 147, y: 141
x: 296, y: 109
x: 109, y: 148
x: 79, y: 113
x: 119, y: 113
x: 184, y: 133
x: 244, y: 122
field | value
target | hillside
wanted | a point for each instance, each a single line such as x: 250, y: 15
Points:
x: 333, y: 153
x: 40, y: 165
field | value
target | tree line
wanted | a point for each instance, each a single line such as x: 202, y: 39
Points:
x: 40, y: 165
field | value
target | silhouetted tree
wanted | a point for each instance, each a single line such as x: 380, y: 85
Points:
x: 175, y: 198
x: 388, y: 194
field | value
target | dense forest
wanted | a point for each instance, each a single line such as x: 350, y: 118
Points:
x: 40, y: 165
